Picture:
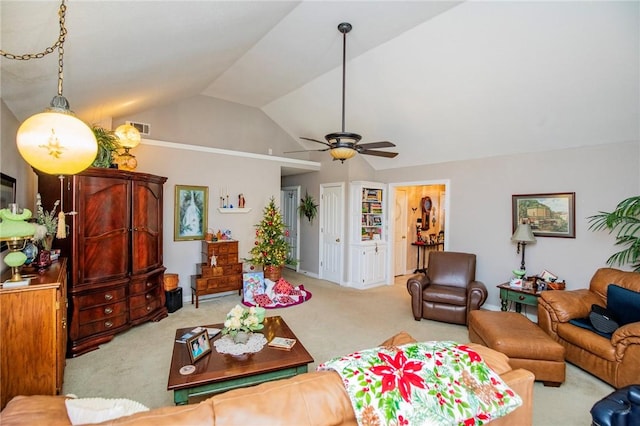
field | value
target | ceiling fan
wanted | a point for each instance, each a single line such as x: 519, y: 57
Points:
x: 344, y: 145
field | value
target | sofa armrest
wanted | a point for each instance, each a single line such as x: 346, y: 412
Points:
x: 564, y: 305
x: 417, y: 283
x: 625, y: 336
x: 521, y: 382
x: 476, y: 295
x: 415, y: 287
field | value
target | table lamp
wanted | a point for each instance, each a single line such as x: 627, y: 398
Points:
x: 15, y: 232
x: 522, y: 236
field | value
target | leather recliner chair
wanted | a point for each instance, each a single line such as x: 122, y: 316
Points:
x: 448, y: 290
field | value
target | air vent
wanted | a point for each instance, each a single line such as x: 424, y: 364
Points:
x: 144, y: 129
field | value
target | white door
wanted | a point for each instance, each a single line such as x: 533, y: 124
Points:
x: 400, y: 231
x: 289, y: 197
x: 332, y: 220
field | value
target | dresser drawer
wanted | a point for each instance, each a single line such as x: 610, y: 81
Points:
x: 143, y: 286
x: 148, y: 307
x: 143, y: 299
x: 102, y: 297
x: 103, y: 325
x: 209, y: 271
x: 102, y: 312
x: 221, y: 247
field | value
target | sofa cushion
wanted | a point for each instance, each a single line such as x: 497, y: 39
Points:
x: 624, y: 304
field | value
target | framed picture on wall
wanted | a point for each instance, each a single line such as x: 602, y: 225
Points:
x: 550, y: 215
x: 190, y: 212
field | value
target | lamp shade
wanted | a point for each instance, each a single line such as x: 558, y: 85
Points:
x: 523, y: 234
x: 129, y: 136
x: 342, y: 153
x: 56, y: 143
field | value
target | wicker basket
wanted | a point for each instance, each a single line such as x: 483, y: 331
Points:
x: 274, y: 273
x: 171, y: 281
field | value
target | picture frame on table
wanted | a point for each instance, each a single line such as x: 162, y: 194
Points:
x: 198, y: 346
x: 550, y: 214
x: 7, y: 196
x: 190, y: 212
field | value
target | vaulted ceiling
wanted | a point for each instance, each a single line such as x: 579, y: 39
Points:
x: 443, y: 80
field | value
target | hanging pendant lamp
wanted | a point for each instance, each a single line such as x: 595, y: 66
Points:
x: 56, y: 141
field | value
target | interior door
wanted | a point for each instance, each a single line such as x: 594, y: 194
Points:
x: 400, y: 233
x: 289, y: 197
x: 332, y: 220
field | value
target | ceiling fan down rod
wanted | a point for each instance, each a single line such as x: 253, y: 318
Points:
x: 344, y: 28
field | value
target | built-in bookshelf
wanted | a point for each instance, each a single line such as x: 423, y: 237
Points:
x: 372, y: 216
x: 368, y: 243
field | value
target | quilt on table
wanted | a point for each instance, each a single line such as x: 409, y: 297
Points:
x: 423, y: 383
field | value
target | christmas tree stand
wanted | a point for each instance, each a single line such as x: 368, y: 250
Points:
x: 273, y: 273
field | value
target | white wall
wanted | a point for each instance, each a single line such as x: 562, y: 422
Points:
x: 480, y: 207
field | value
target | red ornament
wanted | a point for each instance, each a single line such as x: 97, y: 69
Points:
x: 286, y: 233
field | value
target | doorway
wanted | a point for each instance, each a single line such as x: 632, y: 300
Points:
x: 332, y: 229
x: 413, y: 221
x: 289, y: 197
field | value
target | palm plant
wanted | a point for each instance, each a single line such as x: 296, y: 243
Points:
x: 625, y: 221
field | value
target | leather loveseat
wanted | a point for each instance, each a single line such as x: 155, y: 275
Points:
x: 615, y: 360
x: 316, y: 398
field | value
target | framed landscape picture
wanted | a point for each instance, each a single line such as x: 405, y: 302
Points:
x: 550, y: 215
x: 190, y: 212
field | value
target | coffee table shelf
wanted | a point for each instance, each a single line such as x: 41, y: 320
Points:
x: 216, y: 373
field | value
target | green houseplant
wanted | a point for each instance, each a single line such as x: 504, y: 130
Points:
x: 107, y: 146
x: 625, y: 222
x: 308, y: 207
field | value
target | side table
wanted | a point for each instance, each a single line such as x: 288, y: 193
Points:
x: 520, y: 296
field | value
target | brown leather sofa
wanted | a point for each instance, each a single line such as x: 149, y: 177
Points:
x: 316, y: 398
x: 615, y: 360
x: 448, y: 290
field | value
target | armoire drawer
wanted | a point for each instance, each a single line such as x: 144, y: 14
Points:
x: 110, y: 295
x: 106, y: 324
x: 102, y: 312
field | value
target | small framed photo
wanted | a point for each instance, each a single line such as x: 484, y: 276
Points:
x: 190, y: 213
x: 550, y: 215
x: 198, y: 346
x: 548, y: 276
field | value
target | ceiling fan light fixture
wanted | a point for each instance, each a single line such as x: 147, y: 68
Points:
x: 342, y: 153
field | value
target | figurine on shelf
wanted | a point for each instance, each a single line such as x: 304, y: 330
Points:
x: 241, y: 201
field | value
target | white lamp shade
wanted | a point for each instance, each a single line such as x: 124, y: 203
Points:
x: 57, y: 143
x: 523, y: 234
x: 129, y: 136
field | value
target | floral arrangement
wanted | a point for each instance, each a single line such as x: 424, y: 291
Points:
x: 270, y: 247
x: 47, y: 222
x: 242, y: 319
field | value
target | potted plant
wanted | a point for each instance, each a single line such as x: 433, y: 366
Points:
x: 308, y: 207
x: 625, y: 221
x: 271, y: 249
x: 107, y: 145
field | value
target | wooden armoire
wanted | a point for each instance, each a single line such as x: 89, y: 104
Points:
x: 114, y: 247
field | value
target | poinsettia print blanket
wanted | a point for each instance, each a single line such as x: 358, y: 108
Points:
x: 423, y: 383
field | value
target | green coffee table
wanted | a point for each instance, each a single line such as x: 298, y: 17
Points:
x: 217, y: 372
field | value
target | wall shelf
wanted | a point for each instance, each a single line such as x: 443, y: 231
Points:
x: 234, y: 210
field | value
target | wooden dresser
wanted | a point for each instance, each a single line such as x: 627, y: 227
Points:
x: 33, y: 335
x: 115, y: 251
x: 226, y: 275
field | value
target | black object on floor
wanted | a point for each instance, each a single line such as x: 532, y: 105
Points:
x: 174, y: 299
x: 620, y: 408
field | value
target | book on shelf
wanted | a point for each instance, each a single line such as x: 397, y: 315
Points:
x: 282, y: 343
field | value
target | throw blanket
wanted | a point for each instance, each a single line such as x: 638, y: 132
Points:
x: 269, y: 295
x: 424, y: 383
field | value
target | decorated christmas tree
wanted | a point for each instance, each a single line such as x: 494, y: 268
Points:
x: 270, y: 249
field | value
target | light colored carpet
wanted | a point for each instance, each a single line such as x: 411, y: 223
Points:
x: 334, y: 322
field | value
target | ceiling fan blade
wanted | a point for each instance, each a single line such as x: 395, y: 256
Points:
x: 381, y: 144
x: 378, y: 153
x: 315, y: 140
x: 307, y: 150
